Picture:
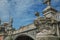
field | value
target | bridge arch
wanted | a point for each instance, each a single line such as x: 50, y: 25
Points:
x: 24, y: 36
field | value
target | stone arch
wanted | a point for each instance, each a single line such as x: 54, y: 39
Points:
x: 24, y: 35
x: 8, y: 38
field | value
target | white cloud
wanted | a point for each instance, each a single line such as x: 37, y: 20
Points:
x: 22, y: 6
x: 4, y: 9
x: 27, y: 19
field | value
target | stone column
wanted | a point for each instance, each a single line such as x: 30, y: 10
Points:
x: 57, y: 30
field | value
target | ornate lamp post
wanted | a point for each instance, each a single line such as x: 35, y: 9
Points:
x: 37, y: 14
x: 37, y: 21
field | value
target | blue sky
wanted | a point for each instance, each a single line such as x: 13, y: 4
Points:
x: 23, y: 11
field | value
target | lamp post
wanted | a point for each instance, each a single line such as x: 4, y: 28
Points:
x: 37, y: 21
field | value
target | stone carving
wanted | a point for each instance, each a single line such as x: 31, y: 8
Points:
x: 48, y: 2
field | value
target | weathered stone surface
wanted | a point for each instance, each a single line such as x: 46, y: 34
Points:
x: 46, y: 36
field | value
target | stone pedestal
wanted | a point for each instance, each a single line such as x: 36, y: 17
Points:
x: 45, y: 36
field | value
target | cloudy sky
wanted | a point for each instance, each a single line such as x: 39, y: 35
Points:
x: 23, y: 11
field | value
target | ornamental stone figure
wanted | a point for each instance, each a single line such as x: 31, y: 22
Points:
x: 47, y: 32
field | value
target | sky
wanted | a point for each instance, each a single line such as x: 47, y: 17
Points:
x: 23, y: 11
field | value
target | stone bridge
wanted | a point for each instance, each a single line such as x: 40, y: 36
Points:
x: 25, y: 32
x: 28, y: 31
